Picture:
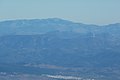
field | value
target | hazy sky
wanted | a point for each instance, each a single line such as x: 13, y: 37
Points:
x: 85, y: 11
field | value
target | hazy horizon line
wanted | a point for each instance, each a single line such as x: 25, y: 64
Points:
x: 87, y: 23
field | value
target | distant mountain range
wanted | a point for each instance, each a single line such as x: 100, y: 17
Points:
x: 41, y: 26
x: 60, y: 42
x: 56, y: 38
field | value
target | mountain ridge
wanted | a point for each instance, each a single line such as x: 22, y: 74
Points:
x: 42, y: 26
x: 57, y: 19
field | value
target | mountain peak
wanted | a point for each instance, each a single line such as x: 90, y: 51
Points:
x: 47, y: 20
x: 57, y: 20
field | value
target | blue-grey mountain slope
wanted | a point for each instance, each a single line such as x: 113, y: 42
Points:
x: 60, y: 44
